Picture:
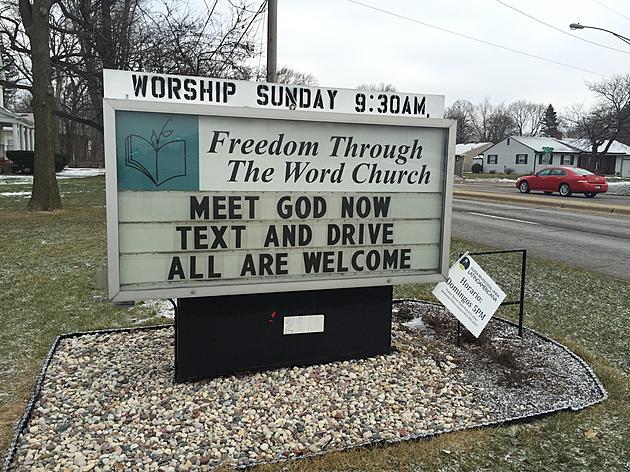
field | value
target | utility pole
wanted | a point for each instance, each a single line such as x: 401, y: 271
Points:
x: 272, y: 40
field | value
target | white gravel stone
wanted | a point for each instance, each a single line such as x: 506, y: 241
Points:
x: 108, y: 401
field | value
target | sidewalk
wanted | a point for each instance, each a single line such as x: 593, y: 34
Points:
x: 544, y: 201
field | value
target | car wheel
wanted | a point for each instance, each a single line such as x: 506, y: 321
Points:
x: 547, y: 192
x: 523, y: 187
x: 565, y: 190
x: 590, y: 194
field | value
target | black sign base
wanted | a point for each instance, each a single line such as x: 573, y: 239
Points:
x: 223, y: 335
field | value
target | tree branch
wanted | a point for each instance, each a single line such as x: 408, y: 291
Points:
x: 78, y: 119
x: 8, y: 84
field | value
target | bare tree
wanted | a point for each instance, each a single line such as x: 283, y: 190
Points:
x: 592, y: 127
x: 527, y: 117
x: 481, y: 120
x: 380, y: 87
x: 613, y: 106
x: 608, y: 119
x: 8, y: 73
x: 462, y: 111
x: 35, y: 18
x: 165, y: 36
x: 491, y: 123
x: 500, y: 124
x: 286, y: 75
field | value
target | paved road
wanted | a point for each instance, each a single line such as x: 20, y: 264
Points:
x: 510, y: 189
x: 597, y: 242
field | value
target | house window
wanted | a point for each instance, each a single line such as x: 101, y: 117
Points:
x: 492, y: 158
x: 521, y: 158
x: 545, y: 159
x: 597, y: 165
x: 508, y: 141
x: 566, y: 160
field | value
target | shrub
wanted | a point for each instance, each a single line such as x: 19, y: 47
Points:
x: 493, y: 171
x: 23, y: 161
x: 476, y: 168
x: 508, y: 170
x: 61, y: 161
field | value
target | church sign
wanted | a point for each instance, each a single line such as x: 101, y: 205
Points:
x: 244, y: 192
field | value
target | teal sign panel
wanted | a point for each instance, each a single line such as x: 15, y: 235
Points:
x: 157, y: 151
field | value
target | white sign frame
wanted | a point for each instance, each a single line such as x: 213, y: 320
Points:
x: 110, y: 106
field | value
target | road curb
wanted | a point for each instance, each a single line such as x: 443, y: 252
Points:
x: 551, y: 202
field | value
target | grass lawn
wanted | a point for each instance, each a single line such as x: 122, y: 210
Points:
x: 47, y: 267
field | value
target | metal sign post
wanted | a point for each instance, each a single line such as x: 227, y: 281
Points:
x: 520, y: 302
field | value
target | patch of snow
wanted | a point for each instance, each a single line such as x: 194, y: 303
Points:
x: 15, y: 179
x: 68, y: 173
x: 162, y: 308
x: 491, y: 180
x: 417, y: 324
x: 74, y: 172
x: 15, y: 194
x: 539, y: 142
x: 619, y: 188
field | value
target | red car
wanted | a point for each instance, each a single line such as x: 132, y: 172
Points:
x: 565, y: 180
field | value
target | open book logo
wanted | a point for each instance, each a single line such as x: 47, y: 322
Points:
x: 158, y: 158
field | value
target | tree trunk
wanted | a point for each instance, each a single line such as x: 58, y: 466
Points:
x: 45, y: 195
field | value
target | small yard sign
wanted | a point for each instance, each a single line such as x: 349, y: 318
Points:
x: 470, y: 294
x: 218, y: 187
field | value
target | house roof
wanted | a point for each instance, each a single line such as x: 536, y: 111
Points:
x: 537, y: 143
x: 22, y: 118
x: 585, y: 145
x: 471, y: 149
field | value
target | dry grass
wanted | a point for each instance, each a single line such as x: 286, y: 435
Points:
x: 47, y: 265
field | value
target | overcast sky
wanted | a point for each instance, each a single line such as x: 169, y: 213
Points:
x: 344, y: 44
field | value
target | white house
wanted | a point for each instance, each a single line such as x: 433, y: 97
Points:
x: 17, y: 131
x: 615, y: 161
x: 527, y: 154
x: 622, y: 158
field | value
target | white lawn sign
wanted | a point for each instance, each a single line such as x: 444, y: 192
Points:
x: 470, y: 294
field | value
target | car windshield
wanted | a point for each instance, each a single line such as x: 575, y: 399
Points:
x: 582, y: 171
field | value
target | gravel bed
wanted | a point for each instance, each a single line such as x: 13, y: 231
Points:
x: 513, y: 376
x: 108, y: 401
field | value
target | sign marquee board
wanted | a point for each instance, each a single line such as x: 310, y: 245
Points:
x: 161, y: 88
x: 232, y: 198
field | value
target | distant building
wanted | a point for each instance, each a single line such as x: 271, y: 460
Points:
x: 17, y: 131
x: 615, y: 161
x: 527, y: 154
x: 470, y: 153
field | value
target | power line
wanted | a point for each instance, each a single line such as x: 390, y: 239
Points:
x: 560, y: 30
x: 614, y: 11
x: 482, y: 41
x: 247, y: 27
x: 262, y: 37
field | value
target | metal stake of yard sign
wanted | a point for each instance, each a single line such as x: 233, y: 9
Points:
x: 520, y: 302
